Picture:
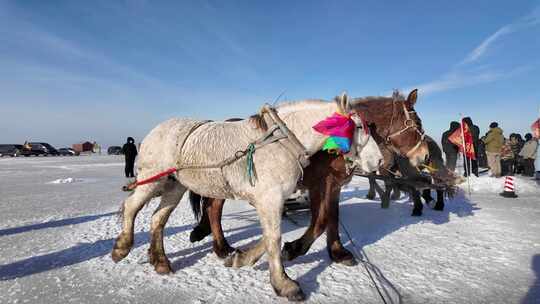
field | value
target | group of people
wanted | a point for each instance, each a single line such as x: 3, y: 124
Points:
x: 503, y: 156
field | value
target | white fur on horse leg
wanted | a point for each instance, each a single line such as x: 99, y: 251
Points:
x: 248, y: 257
x: 270, y: 217
x: 169, y: 200
x: 130, y: 208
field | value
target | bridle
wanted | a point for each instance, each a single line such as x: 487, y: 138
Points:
x: 408, y: 124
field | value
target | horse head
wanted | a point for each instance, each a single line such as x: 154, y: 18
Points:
x: 406, y: 135
x: 395, y: 124
x: 364, y: 152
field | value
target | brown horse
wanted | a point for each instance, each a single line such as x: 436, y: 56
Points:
x: 393, y: 119
x: 323, y: 178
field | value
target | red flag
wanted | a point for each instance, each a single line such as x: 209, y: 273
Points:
x: 535, y: 127
x: 457, y: 139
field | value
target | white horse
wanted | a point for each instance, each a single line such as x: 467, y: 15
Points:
x: 185, y: 143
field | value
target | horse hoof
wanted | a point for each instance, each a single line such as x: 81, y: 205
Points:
x: 119, y: 254
x: 370, y: 197
x: 297, y: 297
x: 438, y: 207
x: 290, y: 251
x: 198, y: 234
x: 286, y: 252
x: 223, y: 253
x: 292, y: 292
x: 229, y: 261
x: 416, y: 213
x: 163, y: 268
x: 348, y: 262
x: 344, y: 257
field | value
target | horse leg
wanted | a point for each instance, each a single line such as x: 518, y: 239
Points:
x: 385, y: 197
x: 130, y: 207
x: 202, y: 229
x: 418, y: 206
x: 246, y: 258
x: 211, y: 223
x: 296, y: 248
x: 379, y: 189
x: 270, y: 211
x: 396, y: 193
x: 426, y: 194
x: 220, y: 244
x: 169, y: 200
x: 371, y: 192
x: 335, y: 248
x: 439, y: 206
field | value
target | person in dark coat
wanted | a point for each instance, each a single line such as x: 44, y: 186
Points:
x: 450, y: 150
x: 130, y: 152
x: 472, y: 164
x: 516, y: 147
x: 528, y: 155
x: 482, y: 155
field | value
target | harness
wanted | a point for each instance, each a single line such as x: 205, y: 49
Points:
x: 408, y: 124
x: 294, y: 147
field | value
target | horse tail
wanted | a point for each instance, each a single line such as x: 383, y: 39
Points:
x: 196, y: 202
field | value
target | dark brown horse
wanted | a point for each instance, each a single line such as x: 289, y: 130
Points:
x: 395, y: 123
x: 402, y: 167
x: 394, y: 159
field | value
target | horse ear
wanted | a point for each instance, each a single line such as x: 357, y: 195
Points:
x: 344, y: 102
x: 411, y: 99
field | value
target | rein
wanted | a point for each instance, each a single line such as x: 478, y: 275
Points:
x: 408, y: 124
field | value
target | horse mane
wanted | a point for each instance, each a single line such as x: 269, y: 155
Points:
x: 379, y: 108
x: 259, y: 121
x: 375, y: 107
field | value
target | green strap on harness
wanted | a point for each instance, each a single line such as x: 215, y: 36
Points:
x: 249, y: 159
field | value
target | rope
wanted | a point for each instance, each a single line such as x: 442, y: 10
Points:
x: 151, y: 179
x: 249, y: 163
x: 359, y: 256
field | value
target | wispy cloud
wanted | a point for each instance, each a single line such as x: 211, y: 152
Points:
x: 462, y: 79
x: 527, y: 21
x: 467, y: 73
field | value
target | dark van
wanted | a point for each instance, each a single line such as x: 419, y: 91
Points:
x: 41, y: 148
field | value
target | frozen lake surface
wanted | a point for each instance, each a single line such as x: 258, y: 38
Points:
x: 58, y: 224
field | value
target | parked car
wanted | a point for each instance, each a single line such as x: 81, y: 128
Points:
x: 11, y: 150
x: 114, y: 150
x: 41, y: 148
x: 67, y: 152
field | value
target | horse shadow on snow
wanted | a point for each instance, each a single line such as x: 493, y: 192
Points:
x: 366, y: 222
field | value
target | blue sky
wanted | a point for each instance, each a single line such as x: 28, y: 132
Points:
x: 104, y: 70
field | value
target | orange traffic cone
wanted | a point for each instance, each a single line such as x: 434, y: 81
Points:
x: 509, y: 188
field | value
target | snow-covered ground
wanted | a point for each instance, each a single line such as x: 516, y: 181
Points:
x: 57, y: 226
